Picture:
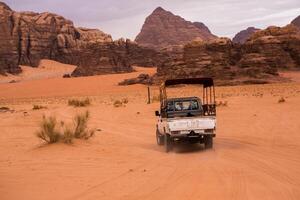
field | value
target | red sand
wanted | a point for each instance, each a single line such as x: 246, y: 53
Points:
x: 256, y: 153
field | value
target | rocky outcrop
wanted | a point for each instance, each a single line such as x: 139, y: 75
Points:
x: 115, y: 57
x: 275, y: 47
x: 256, y: 61
x: 162, y: 29
x: 9, y: 51
x: 28, y: 37
x: 141, y: 79
x: 143, y: 56
x: 244, y: 35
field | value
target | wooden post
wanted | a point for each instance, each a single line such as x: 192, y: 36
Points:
x: 148, y: 95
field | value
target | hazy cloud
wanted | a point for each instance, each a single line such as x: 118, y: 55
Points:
x: 123, y: 18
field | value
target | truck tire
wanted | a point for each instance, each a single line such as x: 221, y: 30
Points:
x: 168, y: 143
x: 208, y: 142
x: 159, y: 138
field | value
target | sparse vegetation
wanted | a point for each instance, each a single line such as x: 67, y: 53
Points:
x: 155, y: 98
x: 51, y: 133
x: 68, y: 135
x: 79, y: 103
x: 281, y: 100
x: 80, y: 123
x: 48, y: 130
x: 120, y: 103
x: 38, y: 107
x: 221, y: 103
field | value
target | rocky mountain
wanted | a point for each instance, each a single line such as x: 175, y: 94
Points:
x: 296, y: 21
x: 162, y: 29
x: 243, y: 35
x: 28, y: 37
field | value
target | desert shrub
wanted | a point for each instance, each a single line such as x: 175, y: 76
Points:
x: 120, y: 103
x: 48, y: 130
x: 125, y: 101
x: 68, y: 135
x: 155, y: 98
x: 79, y: 103
x: 221, y: 103
x: 38, y: 107
x: 80, y: 126
x: 117, y: 103
x: 281, y: 100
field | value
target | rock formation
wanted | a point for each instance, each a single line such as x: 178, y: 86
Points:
x: 244, y: 35
x: 28, y: 37
x: 296, y: 22
x: 162, y: 29
x: 256, y: 61
x: 141, y: 79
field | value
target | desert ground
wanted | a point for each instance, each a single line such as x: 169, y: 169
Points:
x: 256, y: 152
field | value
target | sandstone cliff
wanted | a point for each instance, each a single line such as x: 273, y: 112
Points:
x: 256, y: 61
x: 162, y: 29
x: 28, y: 37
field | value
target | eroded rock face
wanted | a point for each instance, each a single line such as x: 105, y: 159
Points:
x: 115, y: 57
x: 244, y: 35
x: 275, y: 47
x: 28, y: 37
x: 162, y: 29
x: 8, y: 52
x: 256, y: 61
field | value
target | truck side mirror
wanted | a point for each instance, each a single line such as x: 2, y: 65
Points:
x: 157, y: 113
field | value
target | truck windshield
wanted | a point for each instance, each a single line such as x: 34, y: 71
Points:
x: 184, y: 105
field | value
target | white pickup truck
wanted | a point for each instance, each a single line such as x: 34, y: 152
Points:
x: 186, y: 119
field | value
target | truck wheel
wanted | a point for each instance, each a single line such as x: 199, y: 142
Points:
x: 159, y: 138
x: 168, y: 143
x: 208, y: 142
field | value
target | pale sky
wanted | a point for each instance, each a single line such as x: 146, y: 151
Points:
x: 124, y: 18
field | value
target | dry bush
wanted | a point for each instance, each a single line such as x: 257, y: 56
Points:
x: 48, y: 130
x: 125, y: 101
x: 38, y: 107
x: 281, y: 100
x: 80, y: 124
x: 155, y: 98
x: 68, y: 135
x: 221, y: 103
x: 120, y: 103
x: 79, y: 130
x: 79, y: 103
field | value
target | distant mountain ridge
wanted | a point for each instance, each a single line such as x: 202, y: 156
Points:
x: 296, y: 21
x: 162, y: 28
x: 242, y: 36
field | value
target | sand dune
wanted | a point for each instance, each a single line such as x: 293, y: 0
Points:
x: 46, y: 69
x: 256, y: 153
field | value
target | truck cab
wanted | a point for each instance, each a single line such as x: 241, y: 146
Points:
x: 186, y: 119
